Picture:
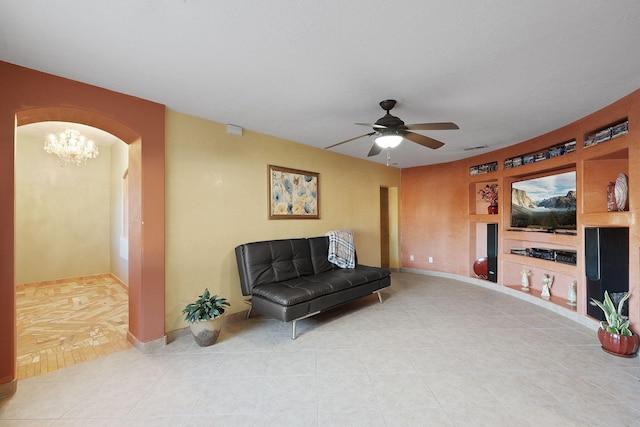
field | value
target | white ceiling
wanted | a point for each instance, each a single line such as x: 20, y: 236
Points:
x: 307, y: 70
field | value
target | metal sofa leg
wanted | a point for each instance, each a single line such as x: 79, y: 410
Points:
x: 379, y: 296
x: 248, y: 302
x: 293, y: 323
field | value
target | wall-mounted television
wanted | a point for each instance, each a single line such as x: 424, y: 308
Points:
x: 545, y: 203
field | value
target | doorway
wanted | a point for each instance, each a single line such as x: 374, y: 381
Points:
x: 31, y: 96
x: 384, y: 227
x: 71, y: 272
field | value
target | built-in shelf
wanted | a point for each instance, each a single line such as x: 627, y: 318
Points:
x: 483, y: 218
x: 597, y: 161
x: 541, y: 237
x: 477, y: 206
x: 542, y: 264
x: 606, y: 133
x: 614, y: 150
x: 557, y: 150
x: 603, y: 166
x: 483, y: 168
x: 562, y: 302
x: 564, y: 256
x: 568, y: 161
x: 607, y: 219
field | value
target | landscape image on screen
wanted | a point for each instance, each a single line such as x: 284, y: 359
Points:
x: 545, y: 203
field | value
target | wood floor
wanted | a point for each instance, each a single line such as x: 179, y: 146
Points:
x: 65, y: 322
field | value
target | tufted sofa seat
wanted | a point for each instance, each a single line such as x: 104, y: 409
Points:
x: 291, y: 279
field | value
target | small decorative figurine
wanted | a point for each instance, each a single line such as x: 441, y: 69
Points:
x: 572, y: 297
x: 525, y: 279
x: 547, y: 282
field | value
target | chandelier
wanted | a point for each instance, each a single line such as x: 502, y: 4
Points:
x: 71, y: 147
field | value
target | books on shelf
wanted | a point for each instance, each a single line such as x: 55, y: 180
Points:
x: 606, y: 134
x: 548, y: 153
x: 620, y: 129
x: 484, y: 168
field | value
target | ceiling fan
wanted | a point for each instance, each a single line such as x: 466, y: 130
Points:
x: 391, y: 130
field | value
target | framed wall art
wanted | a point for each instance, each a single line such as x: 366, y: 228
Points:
x: 293, y: 193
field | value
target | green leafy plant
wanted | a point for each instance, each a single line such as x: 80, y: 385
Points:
x: 206, y: 307
x: 616, y: 323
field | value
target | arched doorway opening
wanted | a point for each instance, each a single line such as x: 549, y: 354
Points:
x: 30, y: 96
x: 71, y: 250
x: 135, y: 194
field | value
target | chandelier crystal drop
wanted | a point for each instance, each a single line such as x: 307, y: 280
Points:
x: 71, y: 147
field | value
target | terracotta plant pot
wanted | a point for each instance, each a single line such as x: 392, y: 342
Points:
x: 619, y: 345
x: 206, y: 332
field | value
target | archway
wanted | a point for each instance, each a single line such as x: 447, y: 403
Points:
x: 71, y: 251
x: 30, y: 96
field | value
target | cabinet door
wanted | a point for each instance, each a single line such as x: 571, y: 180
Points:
x: 606, y: 264
x: 492, y: 252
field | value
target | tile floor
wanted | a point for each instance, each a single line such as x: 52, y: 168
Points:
x: 64, y: 322
x: 438, y: 352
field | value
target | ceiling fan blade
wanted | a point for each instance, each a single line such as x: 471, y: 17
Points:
x: 375, y: 150
x: 371, y: 125
x: 423, y: 140
x: 349, y: 140
x: 433, y: 126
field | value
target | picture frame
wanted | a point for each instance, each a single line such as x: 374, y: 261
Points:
x: 293, y: 193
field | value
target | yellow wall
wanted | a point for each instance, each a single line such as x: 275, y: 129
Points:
x: 68, y: 218
x: 62, y: 215
x: 216, y: 199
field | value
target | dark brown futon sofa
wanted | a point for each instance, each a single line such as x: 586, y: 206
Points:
x: 292, y: 279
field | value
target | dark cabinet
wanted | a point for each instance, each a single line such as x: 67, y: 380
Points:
x: 606, y: 264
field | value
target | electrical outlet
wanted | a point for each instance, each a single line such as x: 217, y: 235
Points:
x: 412, y: 258
x: 430, y: 260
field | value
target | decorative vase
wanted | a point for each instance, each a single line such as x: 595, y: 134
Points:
x: 493, y: 208
x: 206, y: 332
x: 619, y: 345
x: 481, y: 267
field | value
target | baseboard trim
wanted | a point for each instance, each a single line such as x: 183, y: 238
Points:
x: 8, y: 389
x: 174, y: 335
x: 148, y: 346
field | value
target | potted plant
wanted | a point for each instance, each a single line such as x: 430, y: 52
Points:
x: 614, y: 333
x: 205, y: 317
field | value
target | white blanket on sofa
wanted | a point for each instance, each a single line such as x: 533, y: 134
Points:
x: 342, y: 252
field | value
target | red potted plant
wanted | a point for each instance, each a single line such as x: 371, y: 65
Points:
x: 614, y: 333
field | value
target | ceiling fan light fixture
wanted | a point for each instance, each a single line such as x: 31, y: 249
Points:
x: 391, y: 130
x: 390, y: 140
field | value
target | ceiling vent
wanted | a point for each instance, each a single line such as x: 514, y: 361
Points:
x: 479, y: 147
